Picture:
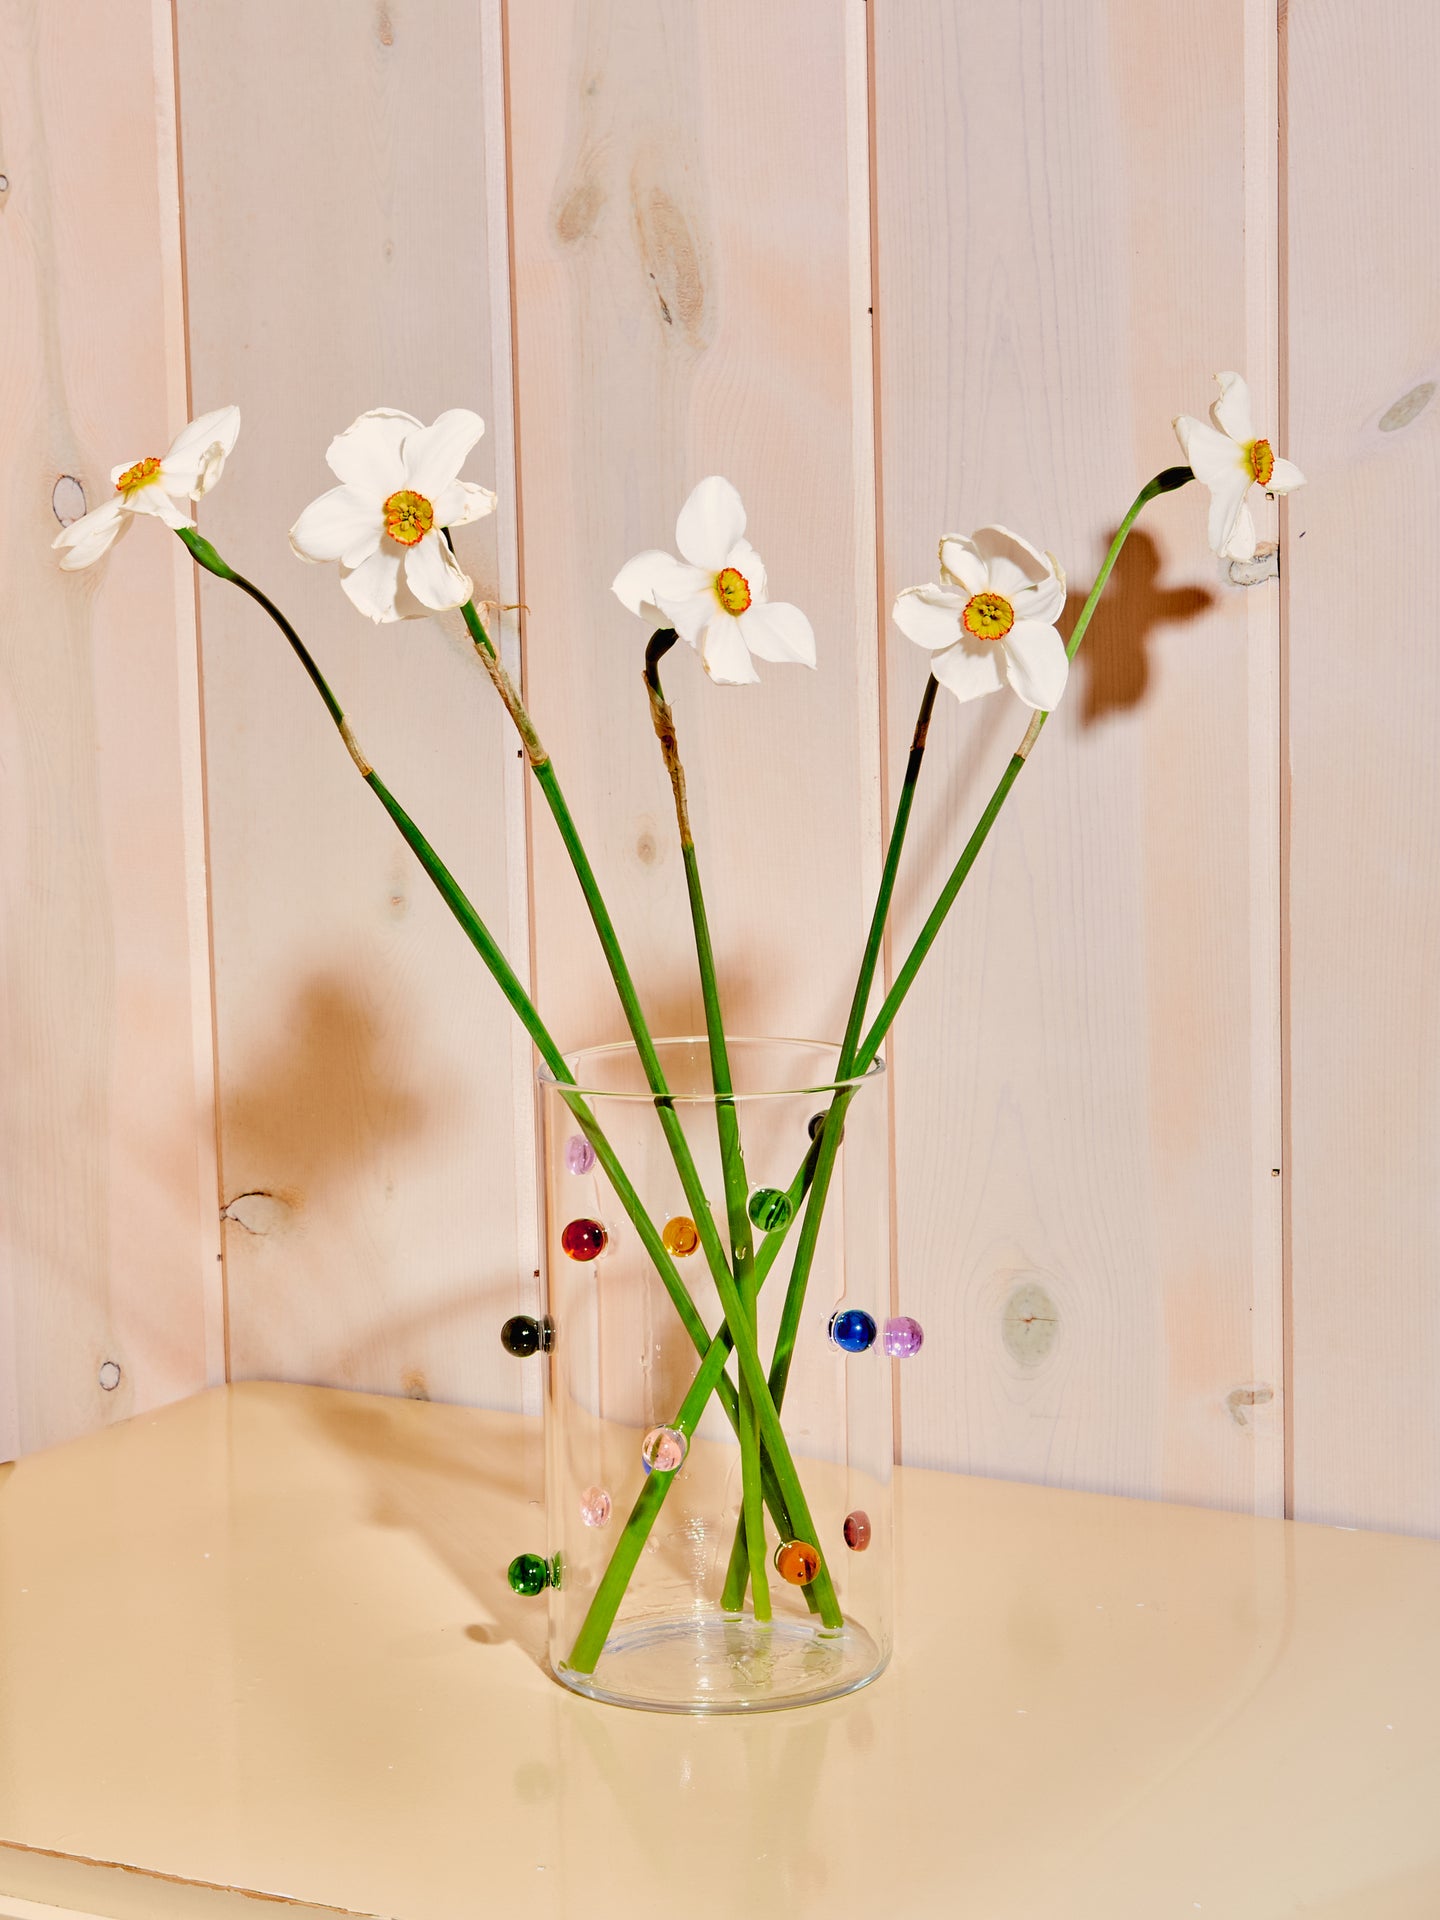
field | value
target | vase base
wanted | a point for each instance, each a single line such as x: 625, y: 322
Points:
x: 717, y: 1663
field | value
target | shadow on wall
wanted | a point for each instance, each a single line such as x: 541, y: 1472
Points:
x: 1114, y: 658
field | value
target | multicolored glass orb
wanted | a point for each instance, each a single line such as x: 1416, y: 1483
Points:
x: 853, y: 1330
x: 529, y: 1574
x: 680, y: 1236
x: 797, y: 1561
x: 584, y: 1239
x: 595, y: 1506
x: 579, y: 1154
x: 857, y: 1530
x: 770, y: 1209
x: 521, y: 1335
x: 903, y: 1337
x: 663, y: 1449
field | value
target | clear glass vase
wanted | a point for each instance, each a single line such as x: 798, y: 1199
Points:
x: 651, y: 1601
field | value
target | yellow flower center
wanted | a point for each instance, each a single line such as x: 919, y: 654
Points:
x: 732, y: 590
x: 989, y: 616
x: 140, y: 475
x: 1262, y: 461
x: 408, y: 517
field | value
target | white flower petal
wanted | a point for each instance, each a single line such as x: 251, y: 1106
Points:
x: 85, y: 540
x: 967, y: 674
x: 1035, y: 663
x: 193, y: 464
x: 1227, y: 505
x: 473, y: 503
x: 747, y: 563
x: 725, y: 654
x: 1042, y: 602
x: 1011, y: 564
x: 774, y: 630
x: 963, y: 564
x: 434, y: 576
x: 1231, y: 412
x: 155, y: 501
x: 367, y: 455
x: 711, y: 521
x: 1240, y: 541
x: 372, y: 584
x: 930, y: 616
x: 435, y: 454
x: 1213, y: 456
x: 691, y: 615
x: 336, y: 525
x: 642, y: 580
x: 1285, y: 476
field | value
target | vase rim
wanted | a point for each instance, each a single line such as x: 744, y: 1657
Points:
x: 819, y: 1083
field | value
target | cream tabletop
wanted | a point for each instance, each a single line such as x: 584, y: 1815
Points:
x: 261, y: 1643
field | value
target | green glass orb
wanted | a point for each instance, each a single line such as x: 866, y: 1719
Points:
x: 528, y: 1574
x: 770, y: 1209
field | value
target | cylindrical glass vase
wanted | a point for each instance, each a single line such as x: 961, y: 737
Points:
x: 651, y: 1601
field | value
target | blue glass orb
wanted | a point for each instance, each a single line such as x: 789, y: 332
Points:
x: 853, y: 1330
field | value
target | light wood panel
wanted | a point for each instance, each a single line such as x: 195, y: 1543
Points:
x: 691, y: 276
x: 1087, y: 1074
x: 340, y: 197
x: 108, y: 1236
x: 1363, y: 195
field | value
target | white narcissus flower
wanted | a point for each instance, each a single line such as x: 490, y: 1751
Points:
x: 993, y: 619
x: 400, y: 488
x: 1229, y: 460
x: 715, y: 596
x: 153, y: 485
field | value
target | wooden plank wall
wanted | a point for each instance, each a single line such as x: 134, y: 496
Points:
x: 108, y: 1234
x: 896, y: 269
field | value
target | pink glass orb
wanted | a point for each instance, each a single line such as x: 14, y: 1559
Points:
x: 595, y: 1506
x: 663, y: 1449
x: 579, y: 1154
x: 857, y: 1530
x: 584, y: 1239
x: 903, y: 1337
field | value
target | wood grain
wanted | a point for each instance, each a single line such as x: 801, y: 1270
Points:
x: 691, y: 281
x: 376, y: 1136
x: 1087, y: 1075
x: 1363, y: 179
x: 108, y: 1233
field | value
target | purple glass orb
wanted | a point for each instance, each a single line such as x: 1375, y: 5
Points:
x: 903, y: 1337
x: 579, y: 1154
x: 663, y: 1449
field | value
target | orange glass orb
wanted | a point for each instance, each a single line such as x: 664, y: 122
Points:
x: 797, y: 1561
x: 680, y: 1236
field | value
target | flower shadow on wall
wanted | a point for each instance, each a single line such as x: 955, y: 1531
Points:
x: 1115, y: 660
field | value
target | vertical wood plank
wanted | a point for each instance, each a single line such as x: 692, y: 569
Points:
x: 691, y: 276
x: 342, y: 254
x: 108, y: 1231
x: 1087, y: 1075
x: 1363, y: 193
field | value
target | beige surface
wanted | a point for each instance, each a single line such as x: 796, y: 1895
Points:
x: 263, y: 1641
x: 1363, y: 166
x: 108, y: 1230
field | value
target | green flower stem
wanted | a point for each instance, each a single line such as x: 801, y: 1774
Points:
x: 727, y: 1124
x: 746, y: 1346
x: 1165, y: 482
x: 600, y: 1617
x: 857, y: 1055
